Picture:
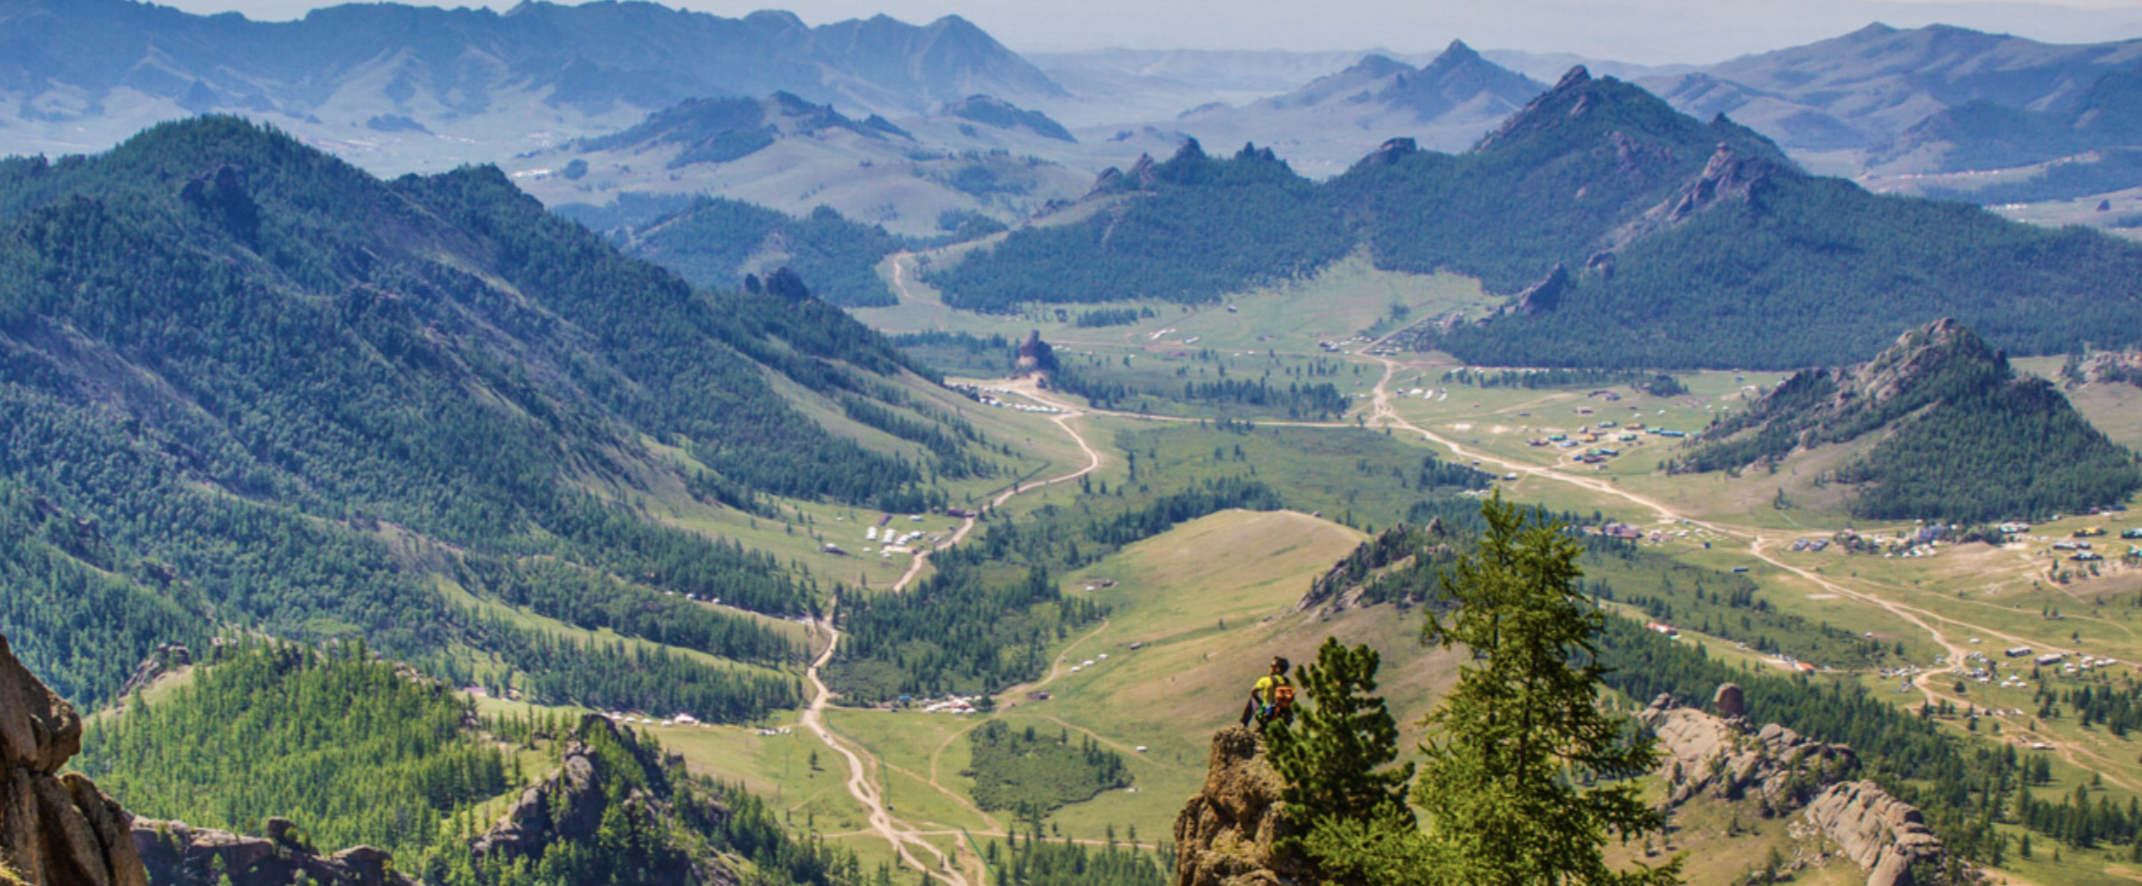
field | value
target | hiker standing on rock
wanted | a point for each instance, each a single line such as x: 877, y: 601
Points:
x: 1272, y: 697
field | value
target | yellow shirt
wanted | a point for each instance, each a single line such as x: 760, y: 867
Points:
x: 1267, y: 688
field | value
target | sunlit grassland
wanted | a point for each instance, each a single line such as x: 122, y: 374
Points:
x: 1348, y: 297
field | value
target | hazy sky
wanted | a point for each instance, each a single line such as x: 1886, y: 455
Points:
x: 1645, y: 31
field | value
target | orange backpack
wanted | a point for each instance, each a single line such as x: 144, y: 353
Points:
x: 1282, y: 697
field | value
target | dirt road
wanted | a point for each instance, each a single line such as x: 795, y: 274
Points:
x: 912, y: 845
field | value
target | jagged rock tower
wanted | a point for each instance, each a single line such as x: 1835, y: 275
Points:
x: 55, y: 830
x: 1227, y: 834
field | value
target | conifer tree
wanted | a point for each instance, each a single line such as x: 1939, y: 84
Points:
x: 1336, y: 759
x: 1507, y: 747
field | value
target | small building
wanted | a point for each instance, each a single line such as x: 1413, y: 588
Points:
x: 2051, y: 658
x: 2018, y: 652
x: 831, y: 548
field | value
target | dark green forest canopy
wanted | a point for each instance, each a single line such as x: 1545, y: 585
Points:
x: 1036, y: 773
x: 1210, y: 226
x: 1689, y: 244
x: 246, y: 380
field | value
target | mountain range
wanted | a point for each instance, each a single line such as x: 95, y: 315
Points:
x: 1446, y: 104
x: 400, y: 89
x: 1860, y: 89
x: 923, y: 176
x: 83, y: 73
x: 1627, y: 234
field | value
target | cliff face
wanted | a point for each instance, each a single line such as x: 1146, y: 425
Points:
x: 55, y: 830
x: 1731, y: 758
x: 178, y: 854
x: 1225, y: 835
x: 1883, y: 834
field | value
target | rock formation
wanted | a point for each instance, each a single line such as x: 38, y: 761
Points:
x: 1226, y: 834
x: 176, y: 853
x: 1729, y: 702
x: 1544, y: 296
x: 569, y: 803
x: 1883, y: 834
x: 1036, y: 357
x: 55, y: 830
x: 1392, y: 151
x: 167, y: 658
x: 1731, y: 758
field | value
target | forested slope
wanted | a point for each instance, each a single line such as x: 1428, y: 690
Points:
x: 246, y: 384
x: 1961, y: 437
x: 715, y: 242
x: 356, y: 751
x: 1680, y: 244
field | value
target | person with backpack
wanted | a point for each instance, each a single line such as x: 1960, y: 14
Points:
x: 1272, y: 697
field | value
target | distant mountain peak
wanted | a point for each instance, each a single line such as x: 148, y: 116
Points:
x: 1458, y: 49
x: 1377, y: 65
x: 1576, y: 77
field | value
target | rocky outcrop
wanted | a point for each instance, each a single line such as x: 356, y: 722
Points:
x: 1731, y: 758
x: 1036, y: 357
x: 1544, y: 296
x: 1883, y: 834
x: 1227, y: 834
x: 2111, y: 366
x: 55, y: 830
x: 567, y: 804
x: 1728, y: 757
x: 178, y: 854
x: 1729, y: 701
x: 1392, y: 151
x: 167, y: 658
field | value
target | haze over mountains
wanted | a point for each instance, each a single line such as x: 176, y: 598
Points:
x: 400, y: 89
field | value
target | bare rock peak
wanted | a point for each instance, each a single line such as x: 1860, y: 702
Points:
x: 1577, y: 76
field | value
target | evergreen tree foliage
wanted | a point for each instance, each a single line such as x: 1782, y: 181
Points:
x: 1248, y: 219
x: 353, y: 751
x: 244, y: 382
x: 1336, y: 756
x: 1036, y: 773
x: 1498, y: 782
x: 1030, y: 860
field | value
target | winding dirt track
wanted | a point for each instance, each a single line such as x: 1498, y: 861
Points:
x: 910, y: 843
x: 906, y: 839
